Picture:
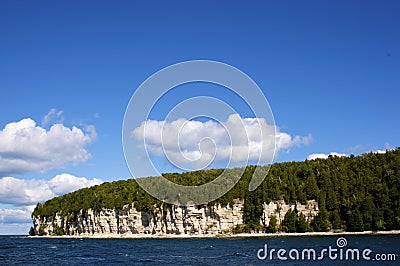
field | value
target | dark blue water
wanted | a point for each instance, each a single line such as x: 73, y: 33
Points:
x: 238, y: 251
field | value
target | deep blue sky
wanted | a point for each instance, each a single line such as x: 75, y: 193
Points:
x: 328, y: 69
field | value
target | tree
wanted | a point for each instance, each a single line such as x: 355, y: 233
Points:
x: 31, y: 231
x: 321, y: 221
x: 355, y: 221
x: 335, y: 220
x: 41, y: 231
x: 58, y: 231
x: 302, y: 225
x: 289, y: 222
x: 367, y: 209
x: 271, y: 228
x: 331, y: 200
x: 311, y: 187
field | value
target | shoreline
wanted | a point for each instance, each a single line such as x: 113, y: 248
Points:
x: 243, y: 235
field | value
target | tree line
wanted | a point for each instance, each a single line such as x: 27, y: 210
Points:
x: 354, y: 193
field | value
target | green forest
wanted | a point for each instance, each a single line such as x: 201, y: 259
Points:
x: 354, y: 193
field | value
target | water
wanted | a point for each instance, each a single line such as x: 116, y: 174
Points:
x: 234, y: 251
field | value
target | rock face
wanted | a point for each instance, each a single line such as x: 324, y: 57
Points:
x: 190, y: 220
x: 279, y: 208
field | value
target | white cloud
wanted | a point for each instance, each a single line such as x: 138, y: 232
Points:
x: 25, y: 194
x: 286, y: 141
x: 26, y: 147
x: 189, y: 144
x: 20, y: 192
x: 324, y: 156
x: 8, y: 216
x: 53, y: 116
x: 65, y: 183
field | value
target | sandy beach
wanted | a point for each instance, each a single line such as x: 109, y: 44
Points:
x: 243, y: 235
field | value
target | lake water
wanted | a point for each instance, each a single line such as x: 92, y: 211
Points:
x: 233, y: 251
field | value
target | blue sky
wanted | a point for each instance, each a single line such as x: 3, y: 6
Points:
x: 330, y: 70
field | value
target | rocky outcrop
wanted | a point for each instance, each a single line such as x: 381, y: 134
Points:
x: 190, y: 220
x: 279, y: 208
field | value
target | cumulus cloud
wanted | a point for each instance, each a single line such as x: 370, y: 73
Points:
x: 25, y: 194
x: 8, y: 216
x: 20, y: 192
x: 26, y: 147
x: 324, y: 156
x: 65, y: 183
x: 286, y: 141
x: 188, y: 143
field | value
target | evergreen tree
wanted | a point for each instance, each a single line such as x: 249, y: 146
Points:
x: 367, y: 210
x: 335, y: 220
x: 58, y: 231
x: 302, y: 225
x: 331, y: 200
x: 31, y: 231
x: 321, y: 221
x: 355, y: 221
x: 289, y: 222
x: 271, y: 228
x: 311, y: 187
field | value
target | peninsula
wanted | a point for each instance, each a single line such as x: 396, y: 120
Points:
x: 337, y: 194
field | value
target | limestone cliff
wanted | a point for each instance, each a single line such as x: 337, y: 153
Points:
x: 190, y: 220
